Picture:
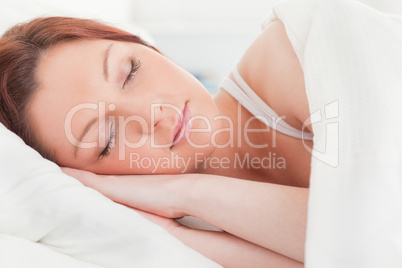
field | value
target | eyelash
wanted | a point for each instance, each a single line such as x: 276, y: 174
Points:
x: 109, y: 145
x: 135, y: 64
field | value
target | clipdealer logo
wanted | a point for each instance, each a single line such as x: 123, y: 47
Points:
x: 324, y: 120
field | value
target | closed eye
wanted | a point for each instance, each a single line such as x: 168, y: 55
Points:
x: 111, y: 143
x: 135, y: 65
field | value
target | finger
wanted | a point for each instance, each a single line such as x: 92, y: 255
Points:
x: 166, y: 223
x: 71, y: 171
x: 85, y: 177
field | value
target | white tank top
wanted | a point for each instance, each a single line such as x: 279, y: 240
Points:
x: 256, y: 106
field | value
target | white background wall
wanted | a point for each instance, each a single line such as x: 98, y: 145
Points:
x: 206, y: 37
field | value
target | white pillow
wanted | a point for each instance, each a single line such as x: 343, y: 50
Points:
x: 39, y: 203
x: 21, y: 253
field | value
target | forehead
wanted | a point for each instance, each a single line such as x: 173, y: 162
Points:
x: 62, y: 60
x: 65, y: 72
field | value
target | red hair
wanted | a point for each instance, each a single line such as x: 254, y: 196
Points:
x: 21, y: 48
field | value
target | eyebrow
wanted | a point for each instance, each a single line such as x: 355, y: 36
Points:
x: 106, y: 63
x: 84, y: 132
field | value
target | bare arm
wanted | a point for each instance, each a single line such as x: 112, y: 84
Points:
x: 269, y: 215
x: 271, y: 68
x: 231, y: 251
x: 224, y: 248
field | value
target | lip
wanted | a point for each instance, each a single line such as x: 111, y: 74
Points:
x: 182, y: 127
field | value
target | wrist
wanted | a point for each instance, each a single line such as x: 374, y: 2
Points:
x: 183, y: 191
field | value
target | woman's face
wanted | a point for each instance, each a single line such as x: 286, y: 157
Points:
x: 121, y: 108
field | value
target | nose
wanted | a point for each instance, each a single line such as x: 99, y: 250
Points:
x: 156, y: 115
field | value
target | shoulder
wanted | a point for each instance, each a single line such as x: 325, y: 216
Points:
x: 271, y: 68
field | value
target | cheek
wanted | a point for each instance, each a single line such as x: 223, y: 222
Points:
x: 130, y: 130
x: 142, y: 160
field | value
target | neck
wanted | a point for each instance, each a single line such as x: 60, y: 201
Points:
x: 231, y: 141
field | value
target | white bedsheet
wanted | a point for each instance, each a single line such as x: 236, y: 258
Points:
x: 351, y: 56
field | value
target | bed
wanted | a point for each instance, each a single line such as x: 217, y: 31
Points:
x: 352, y: 65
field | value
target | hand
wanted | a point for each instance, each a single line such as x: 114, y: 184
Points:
x: 157, y: 194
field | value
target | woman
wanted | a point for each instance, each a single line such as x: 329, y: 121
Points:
x: 97, y: 99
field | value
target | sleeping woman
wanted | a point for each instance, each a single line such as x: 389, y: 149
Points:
x: 125, y: 120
